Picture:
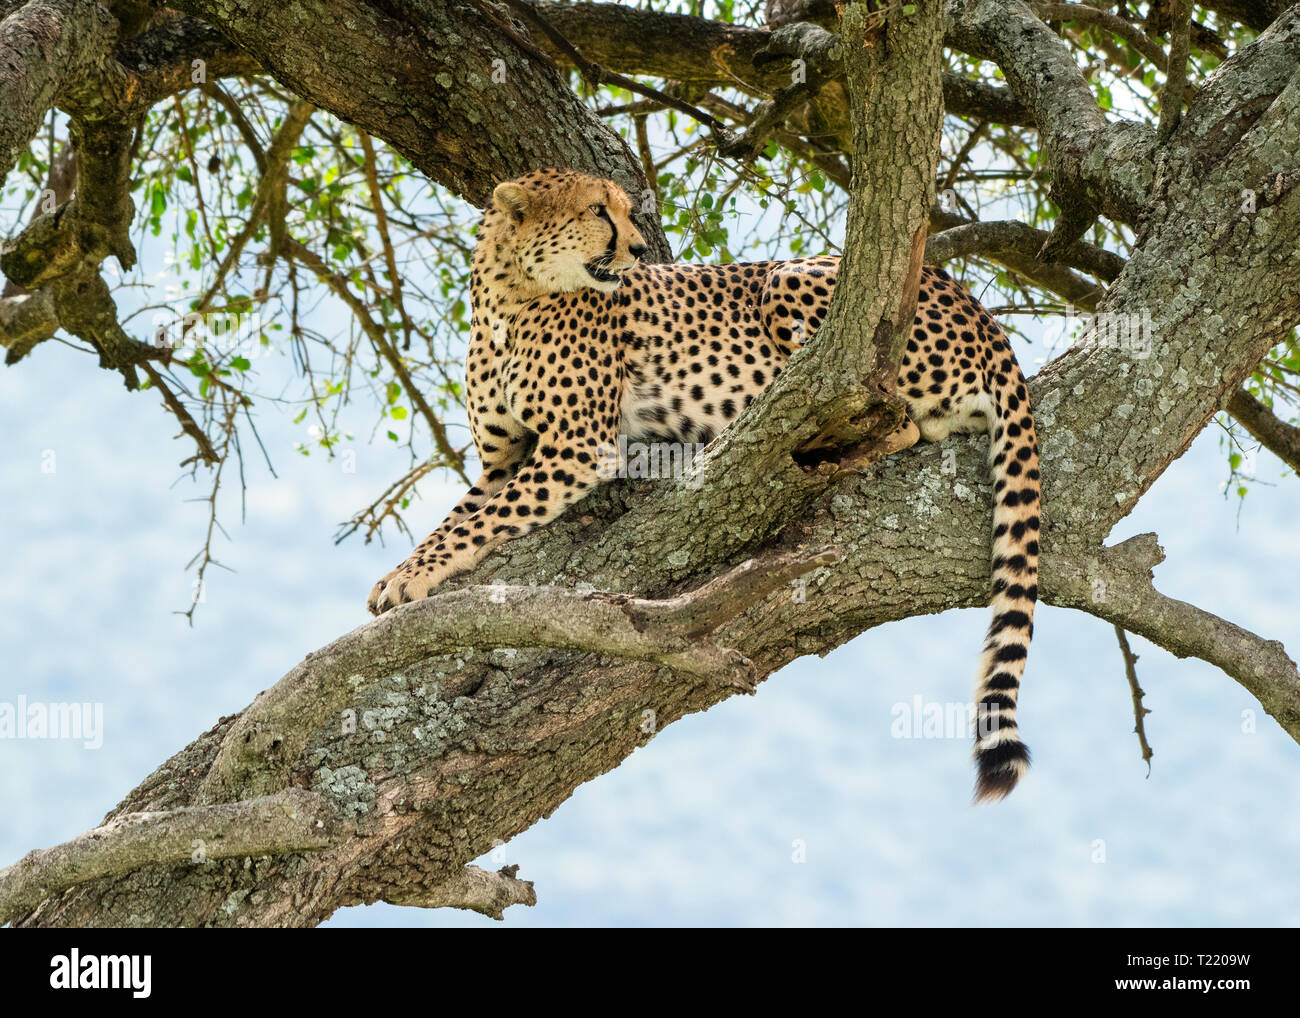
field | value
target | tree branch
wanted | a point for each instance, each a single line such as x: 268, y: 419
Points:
x: 1111, y: 166
x: 456, y: 750
x: 1135, y: 690
x: 289, y: 821
x: 272, y: 732
x: 474, y: 889
x: 1086, y: 15
x: 1171, y: 96
x: 45, y: 46
x: 466, y: 115
x: 1280, y: 438
x: 1115, y: 584
x: 1012, y: 236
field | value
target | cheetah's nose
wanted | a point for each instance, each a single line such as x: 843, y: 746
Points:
x: 637, y: 250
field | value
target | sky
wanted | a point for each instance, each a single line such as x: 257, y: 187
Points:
x: 798, y: 806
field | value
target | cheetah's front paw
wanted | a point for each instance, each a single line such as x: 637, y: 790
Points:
x: 403, y: 584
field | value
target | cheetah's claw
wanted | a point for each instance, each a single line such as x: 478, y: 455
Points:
x: 399, y: 587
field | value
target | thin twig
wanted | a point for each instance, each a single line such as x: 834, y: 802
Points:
x: 381, y: 226
x: 1139, y: 711
x: 375, y: 332
x: 188, y: 424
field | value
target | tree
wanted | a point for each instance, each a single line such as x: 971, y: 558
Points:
x: 659, y: 602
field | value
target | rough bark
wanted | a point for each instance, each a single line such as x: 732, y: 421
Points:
x: 48, y: 45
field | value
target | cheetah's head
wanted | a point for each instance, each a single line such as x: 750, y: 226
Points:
x: 564, y: 230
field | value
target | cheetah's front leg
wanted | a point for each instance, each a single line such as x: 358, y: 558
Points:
x: 491, y: 481
x: 551, y: 481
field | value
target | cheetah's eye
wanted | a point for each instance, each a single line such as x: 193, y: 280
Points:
x: 597, y: 209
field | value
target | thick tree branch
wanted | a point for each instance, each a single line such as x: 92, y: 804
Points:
x: 436, y: 755
x: 1238, y: 91
x: 1107, y: 166
x: 26, y: 320
x: 45, y: 46
x: 467, y: 115
x: 1280, y: 438
x: 289, y: 821
x: 1116, y: 584
x: 1051, y: 276
x: 271, y: 734
x: 701, y: 52
x: 1011, y: 236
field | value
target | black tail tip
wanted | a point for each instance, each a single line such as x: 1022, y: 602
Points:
x: 1000, y: 767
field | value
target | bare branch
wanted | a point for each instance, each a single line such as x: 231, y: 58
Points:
x: 1116, y: 584
x: 474, y: 889
x: 1010, y: 235
x: 1139, y: 711
x: 1280, y: 438
x: 188, y: 424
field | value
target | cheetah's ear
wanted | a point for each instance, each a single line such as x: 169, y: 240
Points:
x: 512, y: 199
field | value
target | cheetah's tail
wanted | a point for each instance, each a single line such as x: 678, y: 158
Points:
x: 1001, y: 756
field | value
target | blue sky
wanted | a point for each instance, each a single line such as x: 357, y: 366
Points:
x: 700, y: 825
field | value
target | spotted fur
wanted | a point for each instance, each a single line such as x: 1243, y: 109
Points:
x: 574, y: 342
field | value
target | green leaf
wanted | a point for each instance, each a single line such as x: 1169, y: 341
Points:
x: 241, y: 363
x: 399, y: 413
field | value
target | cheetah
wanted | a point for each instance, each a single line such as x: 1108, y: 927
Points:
x: 576, y: 343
